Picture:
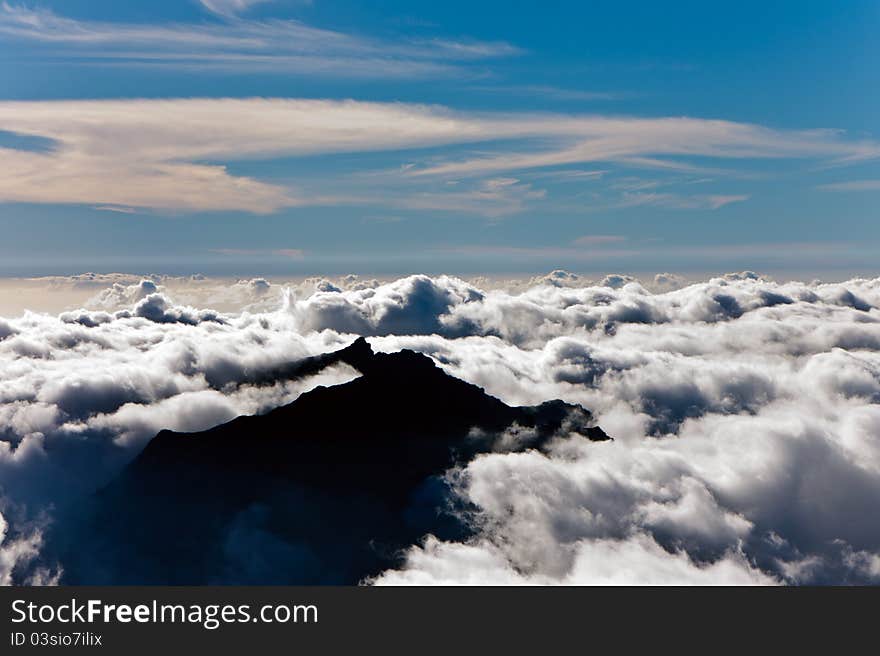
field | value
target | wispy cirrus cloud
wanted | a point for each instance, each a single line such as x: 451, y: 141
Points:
x: 120, y: 209
x: 548, y: 91
x: 680, y: 201
x: 294, y: 253
x: 230, y: 7
x: 852, y: 185
x: 651, y: 143
x: 491, y: 198
x: 598, y: 240
x: 567, y: 175
x: 174, y: 154
x: 239, y: 44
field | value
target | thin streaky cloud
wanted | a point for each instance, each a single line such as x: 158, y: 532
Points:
x: 636, y: 184
x: 493, y: 198
x: 116, y: 208
x: 294, y: 253
x: 154, y: 153
x: 680, y: 201
x: 236, y: 43
x: 567, y: 175
x: 719, y: 200
x: 595, y: 240
x: 530, y: 252
x: 471, y: 49
x: 852, y: 185
x: 674, y: 166
x: 548, y: 92
x: 230, y: 7
x: 331, y: 66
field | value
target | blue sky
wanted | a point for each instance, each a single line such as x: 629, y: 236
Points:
x: 294, y: 137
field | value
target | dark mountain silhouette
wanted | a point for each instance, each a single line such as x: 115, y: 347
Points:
x: 328, y: 489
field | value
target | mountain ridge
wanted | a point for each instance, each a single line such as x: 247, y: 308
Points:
x: 327, y: 489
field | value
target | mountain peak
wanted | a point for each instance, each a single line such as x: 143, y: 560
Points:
x: 358, y: 354
x: 349, y: 475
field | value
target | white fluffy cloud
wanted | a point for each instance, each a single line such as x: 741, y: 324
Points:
x: 745, y: 412
x: 637, y: 560
x: 82, y: 393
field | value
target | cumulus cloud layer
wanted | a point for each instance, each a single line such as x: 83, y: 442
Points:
x: 745, y: 412
x: 82, y: 393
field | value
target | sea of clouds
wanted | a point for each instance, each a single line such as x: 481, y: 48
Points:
x: 745, y: 413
